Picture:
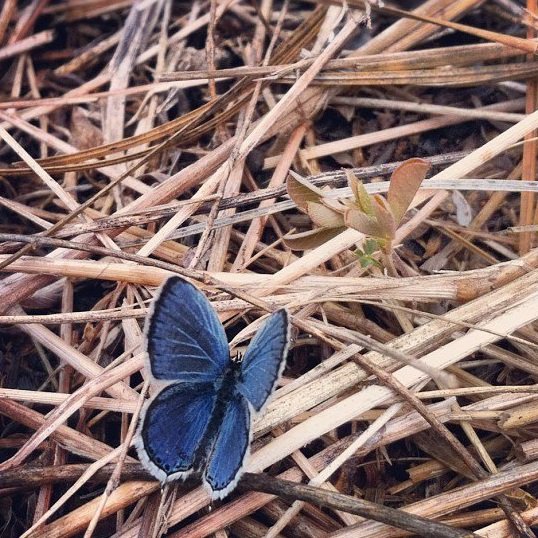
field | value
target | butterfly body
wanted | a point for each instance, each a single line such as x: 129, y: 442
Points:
x: 225, y: 390
x: 200, y: 419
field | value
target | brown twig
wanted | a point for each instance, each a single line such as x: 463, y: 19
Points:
x: 292, y: 491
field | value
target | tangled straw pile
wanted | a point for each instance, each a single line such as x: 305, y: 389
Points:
x: 145, y: 138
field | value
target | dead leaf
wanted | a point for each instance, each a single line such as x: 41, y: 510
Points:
x: 84, y: 134
x: 464, y: 213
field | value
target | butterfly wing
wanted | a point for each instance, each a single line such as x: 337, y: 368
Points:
x: 185, y: 339
x: 265, y: 359
x: 172, y: 426
x: 225, y: 461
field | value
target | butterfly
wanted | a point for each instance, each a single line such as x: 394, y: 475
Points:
x: 200, y: 418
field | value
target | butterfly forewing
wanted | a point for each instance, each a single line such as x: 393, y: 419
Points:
x: 264, y: 360
x: 185, y: 338
x: 172, y: 427
x: 225, y: 461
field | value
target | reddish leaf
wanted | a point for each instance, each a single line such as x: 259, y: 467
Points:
x: 404, y: 184
x: 311, y: 238
x: 384, y: 217
x: 302, y: 191
x: 357, y: 220
x: 323, y: 216
x: 334, y: 204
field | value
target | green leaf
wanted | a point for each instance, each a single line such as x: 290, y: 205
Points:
x: 302, y: 191
x: 362, y: 197
x: 311, y: 238
x: 371, y: 246
x: 352, y: 182
x: 366, y: 260
x: 404, y: 184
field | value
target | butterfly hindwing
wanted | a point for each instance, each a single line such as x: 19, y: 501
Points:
x: 173, y: 426
x: 264, y: 360
x: 185, y: 339
x: 225, y: 460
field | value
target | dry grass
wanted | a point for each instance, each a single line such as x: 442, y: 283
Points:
x: 139, y: 139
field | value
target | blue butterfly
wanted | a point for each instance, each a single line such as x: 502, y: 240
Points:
x: 200, y: 419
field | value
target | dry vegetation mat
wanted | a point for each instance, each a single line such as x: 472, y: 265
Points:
x: 368, y: 166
